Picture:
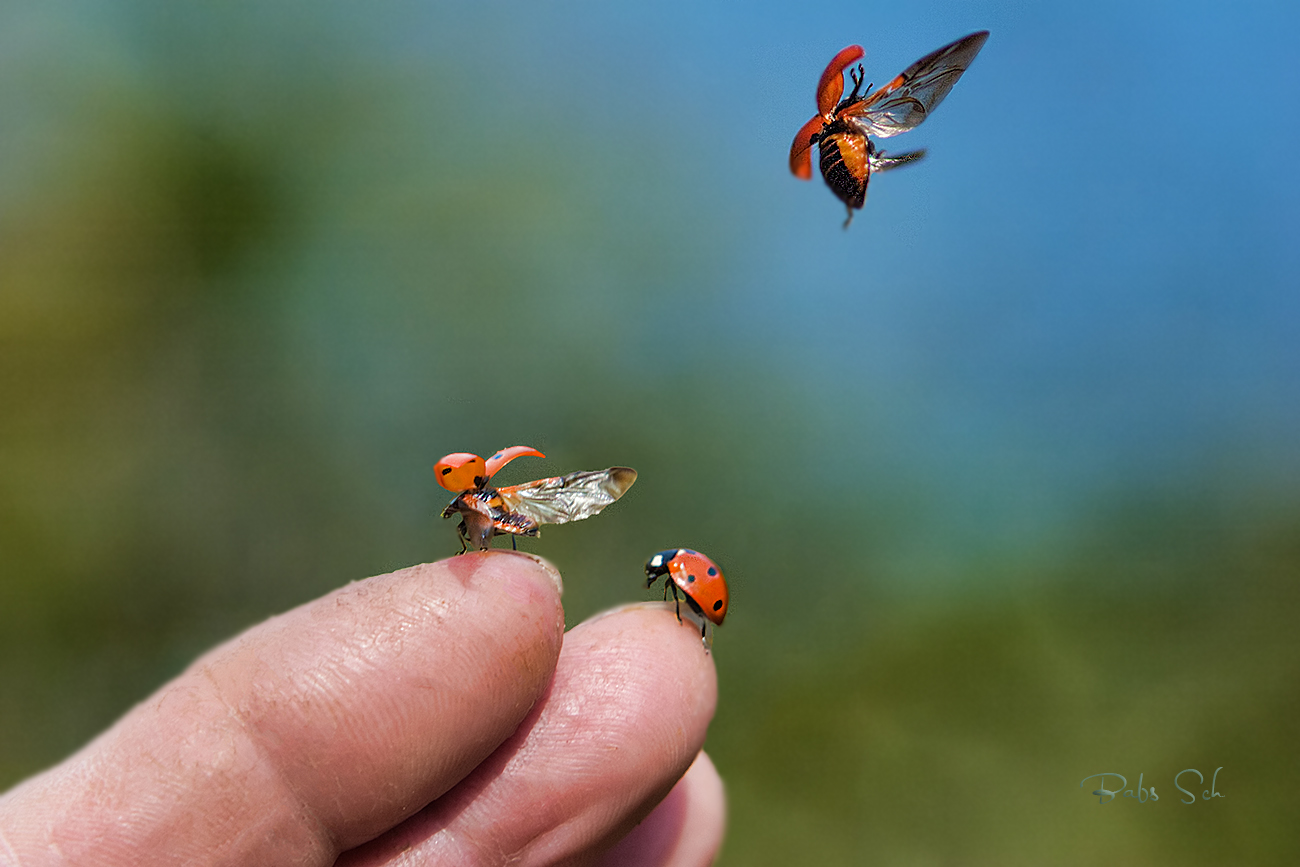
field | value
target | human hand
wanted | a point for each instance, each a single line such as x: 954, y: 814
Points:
x: 435, y: 715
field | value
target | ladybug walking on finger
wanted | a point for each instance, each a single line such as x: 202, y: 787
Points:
x: 697, y: 578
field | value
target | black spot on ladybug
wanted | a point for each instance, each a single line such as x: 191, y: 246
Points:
x: 713, y: 571
x: 717, y: 605
x: 690, y: 579
x: 446, y: 470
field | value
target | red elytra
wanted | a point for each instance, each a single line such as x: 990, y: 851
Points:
x: 841, y: 127
x: 697, y: 577
x: 463, y: 471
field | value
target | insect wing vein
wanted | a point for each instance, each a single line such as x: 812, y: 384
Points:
x: 561, y: 499
x: 907, y: 101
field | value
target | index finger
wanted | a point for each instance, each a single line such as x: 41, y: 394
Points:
x: 314, y: 731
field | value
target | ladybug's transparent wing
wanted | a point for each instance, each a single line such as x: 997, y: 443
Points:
x: 573, y: 497
x: 907, y: 101
x: 882, y: 162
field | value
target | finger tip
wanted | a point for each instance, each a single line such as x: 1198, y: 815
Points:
x: 645, y: 630
x: 709, y: 797
x: 685, y: 631
x: 685, y: 829
x: 548, y: 569
x: 382, y: 695
x: 623, y: 733
x: 512, y: 562
x: 527, y: 579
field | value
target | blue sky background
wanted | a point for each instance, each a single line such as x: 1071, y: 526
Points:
x: 1090, y: 279
x: 1089, y: 284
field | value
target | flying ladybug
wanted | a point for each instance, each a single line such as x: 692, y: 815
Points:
x: 520, y: 509
x: 841, y: 127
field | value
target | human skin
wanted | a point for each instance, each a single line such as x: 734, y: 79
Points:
x: 435, y: 715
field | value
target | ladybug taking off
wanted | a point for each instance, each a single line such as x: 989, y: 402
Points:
x: 841, y: 127
x: 520, y: 509
x: 697, y: 577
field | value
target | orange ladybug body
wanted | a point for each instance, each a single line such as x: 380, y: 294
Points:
x: 519, y: 510
x: 841, y: 127
x: 697, y: 577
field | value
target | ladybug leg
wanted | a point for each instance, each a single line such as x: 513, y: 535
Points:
x: 858, y: 75
x: 513, y: 546
x: 677, y: 601
x: 463, y: 536
x: 478, y: 530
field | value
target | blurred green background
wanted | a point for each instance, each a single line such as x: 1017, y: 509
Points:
x: 1004, y: 478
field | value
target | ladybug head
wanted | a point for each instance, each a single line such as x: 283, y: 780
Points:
x: 657, y: 566
x: 461, y: 472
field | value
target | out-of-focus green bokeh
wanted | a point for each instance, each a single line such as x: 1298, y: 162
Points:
x: 992, y: 523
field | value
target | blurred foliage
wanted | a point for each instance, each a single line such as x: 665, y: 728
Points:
x: 242, y: 314
x: 959, y: 732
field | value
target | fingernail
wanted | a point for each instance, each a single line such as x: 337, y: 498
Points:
x: 547, y: 566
